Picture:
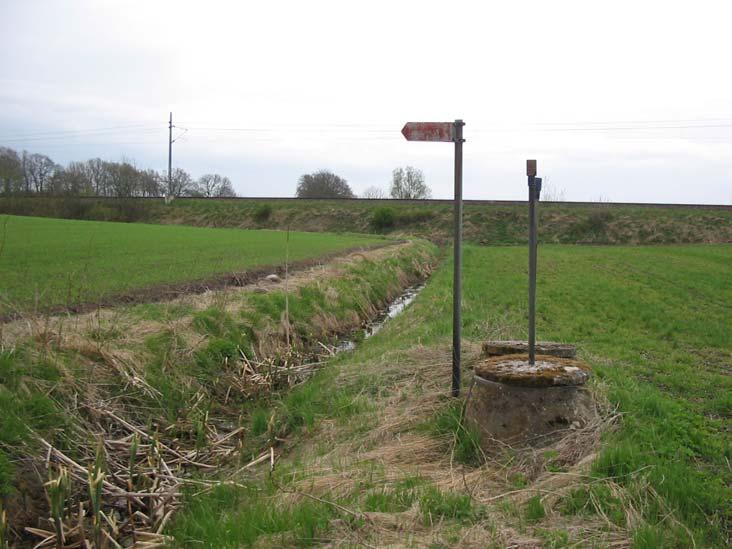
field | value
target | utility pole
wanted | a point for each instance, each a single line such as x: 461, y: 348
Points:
x: 170, y: 154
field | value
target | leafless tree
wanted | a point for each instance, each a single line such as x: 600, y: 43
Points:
x: 11, y: 171
x: 122, y: 178
x: 149, y: 183
x: 74, y: 179
x: 214, y: 185
x: 32, y: 173
x: 98, y: 175
x: 408, y: 183
x: 37, y: 171
x: 373, y: 192
x: 180, y: 184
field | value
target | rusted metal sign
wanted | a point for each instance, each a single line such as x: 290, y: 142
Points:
x: 429, y: 131
x: 451, y: 132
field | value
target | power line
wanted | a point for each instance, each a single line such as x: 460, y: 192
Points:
x: 346, y: 131
x: 605, y: 129
x: 80, y: 133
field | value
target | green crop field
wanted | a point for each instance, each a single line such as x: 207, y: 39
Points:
x: 54, y: 262
x: 654, y: 323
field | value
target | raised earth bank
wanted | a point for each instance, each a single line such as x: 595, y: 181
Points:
x: 119, y: 410
x: 488, y: 223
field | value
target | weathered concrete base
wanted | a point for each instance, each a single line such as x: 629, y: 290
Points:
x: 513, y: 403
x: 512, y: 347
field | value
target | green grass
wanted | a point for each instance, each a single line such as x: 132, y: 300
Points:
x: 502, y: 224
x: 58, y: 262
x: 535, y: 509
x: 437, y: 504
x: 654, y: 324
x: 231, y: 516
x: 23, y: 408
x: 465, y: 439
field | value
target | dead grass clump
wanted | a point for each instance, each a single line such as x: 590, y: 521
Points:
x: 164, y: 396
x: 412, y: 387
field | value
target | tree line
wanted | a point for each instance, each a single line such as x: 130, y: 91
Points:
x: 29, y: 174
x: 406, y: 183
x: 25, y: 174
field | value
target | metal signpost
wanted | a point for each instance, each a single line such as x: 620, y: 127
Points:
x: 449, y: 132
x: 534, y: 192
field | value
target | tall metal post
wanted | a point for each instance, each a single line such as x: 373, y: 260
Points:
x: 458, y: 259
x: 531, y: 173
x: 170, y: 153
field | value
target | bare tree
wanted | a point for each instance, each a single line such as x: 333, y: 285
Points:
x: 122, y: 178
x: 226, y: 189
x: 180, y: 184
x: 11, y: 171
x: 214, y: 185
x: 74, y: 179
x: 37, y: 171
x: 149, y: 183
x: 323, y: 184
x: 98, y: 175
x: 373, y: 192
x: 408, y: 183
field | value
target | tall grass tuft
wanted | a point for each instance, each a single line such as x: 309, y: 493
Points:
x: 4, y: 544
x: 96, y: 481
x: 58, y: 489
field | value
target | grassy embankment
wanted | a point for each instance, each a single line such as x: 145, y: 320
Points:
x: 187, y: 375
x: 380, y: 459
x: 53, y: 262
x: 491, y: 224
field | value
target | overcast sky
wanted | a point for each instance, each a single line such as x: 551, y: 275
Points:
x: 628, y: 101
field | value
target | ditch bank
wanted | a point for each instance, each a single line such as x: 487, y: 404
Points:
x: 106, y: 419
x: 168, y: 292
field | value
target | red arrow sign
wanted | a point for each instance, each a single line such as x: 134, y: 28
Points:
x: 429, y: 131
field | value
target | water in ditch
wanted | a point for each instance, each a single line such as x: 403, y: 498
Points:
x: 372, y: 328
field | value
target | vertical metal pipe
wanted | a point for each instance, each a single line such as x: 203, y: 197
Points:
x: 170, y: 154
x: 532, y: 270
x: 458, y: 259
